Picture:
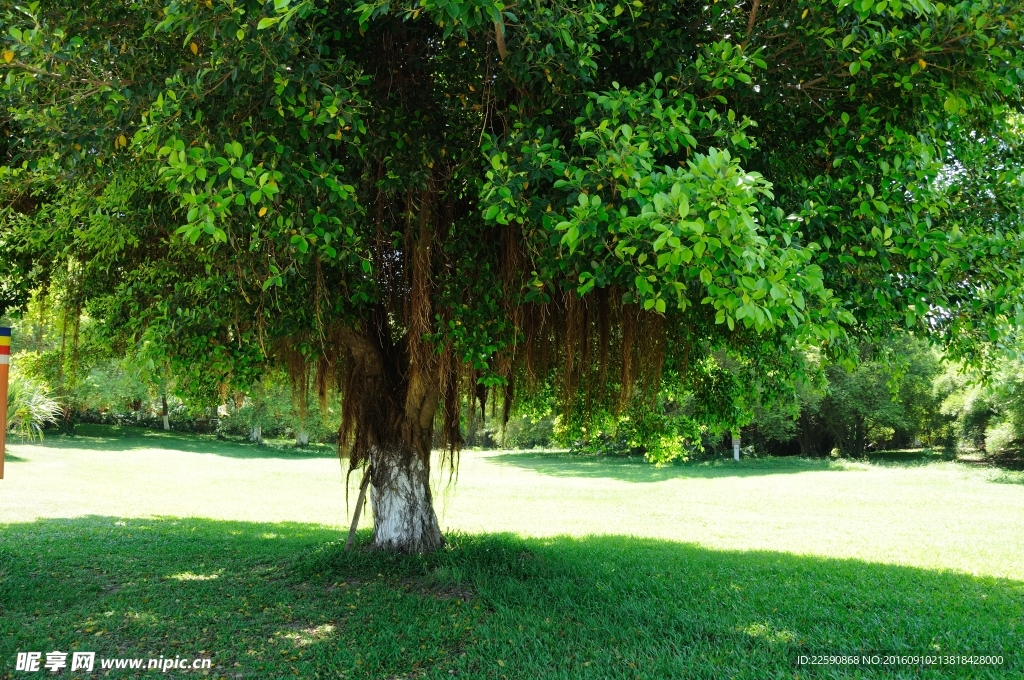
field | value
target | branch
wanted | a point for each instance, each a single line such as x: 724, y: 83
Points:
x: 499, y: 37
x: 750, y: 22
x: 86, y: 81
x: 219, y: 83
x: 362, y: 350
x: 810, y: 83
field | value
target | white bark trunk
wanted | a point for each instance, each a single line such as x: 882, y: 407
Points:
x: 257, y: 434
x: 301, y: 438
x: 403, y: 511
x: 167, y: 422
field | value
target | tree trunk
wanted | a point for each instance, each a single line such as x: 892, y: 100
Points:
x: 860, y: 436
x: 256, y: 435
x: 392, y: 392
x: 403, y: 509
x: 301, y: 438
x: 167, y: 421
x: 471, y: 425
x: 395, y: 398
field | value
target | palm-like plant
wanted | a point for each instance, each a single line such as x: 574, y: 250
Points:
x: 29, y: 407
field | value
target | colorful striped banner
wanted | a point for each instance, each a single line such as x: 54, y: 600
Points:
x: 5, y: 360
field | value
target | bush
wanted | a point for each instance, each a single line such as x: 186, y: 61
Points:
x: 986, y: 411
x: 527, y: 432
x: 29, y: 406
x: 1000, y: 438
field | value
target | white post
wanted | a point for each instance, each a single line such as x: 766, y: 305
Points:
x: 736, y: 446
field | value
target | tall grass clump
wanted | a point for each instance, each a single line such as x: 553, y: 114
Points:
x: 29, y: 406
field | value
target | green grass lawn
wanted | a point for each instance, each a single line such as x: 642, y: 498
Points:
x: 140, y: 544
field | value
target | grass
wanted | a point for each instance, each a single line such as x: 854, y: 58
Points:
x: 140, y: 544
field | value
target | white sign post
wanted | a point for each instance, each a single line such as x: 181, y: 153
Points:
x: 736, y: 446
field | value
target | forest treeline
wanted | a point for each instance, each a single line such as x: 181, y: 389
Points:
x: 900, y: 395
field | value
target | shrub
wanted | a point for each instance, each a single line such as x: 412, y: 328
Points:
x: 527, y: 432
x: 1000, y: 437
x: 29, y: 406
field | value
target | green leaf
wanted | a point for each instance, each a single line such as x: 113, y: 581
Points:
x: 267, y: 22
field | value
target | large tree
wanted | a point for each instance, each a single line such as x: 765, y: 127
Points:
x: 582, y: 202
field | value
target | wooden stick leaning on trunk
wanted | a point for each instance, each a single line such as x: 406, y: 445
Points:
x: 359, y: 508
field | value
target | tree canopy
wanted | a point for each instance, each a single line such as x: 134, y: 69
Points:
x: 586, y: 203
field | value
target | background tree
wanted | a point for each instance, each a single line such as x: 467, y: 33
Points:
x: 422, y: 200
x: 891, y: 397
x: 985, y: 410
x: 886, y: 401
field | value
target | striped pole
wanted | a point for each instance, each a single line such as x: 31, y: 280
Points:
x: 5, y: 365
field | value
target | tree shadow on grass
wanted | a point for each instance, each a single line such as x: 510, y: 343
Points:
x: 1010, y: 460
x: 639, y: 470
x: 910, y: 457
x: 284, y: 600
x: 1005, y: 468
x: 1009, y: 477
x: 128, y: 438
